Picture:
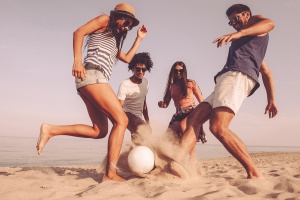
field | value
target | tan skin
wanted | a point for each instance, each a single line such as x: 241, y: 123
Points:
x: 221, y: 117
x: 100, y: 107
x: 183, y: 123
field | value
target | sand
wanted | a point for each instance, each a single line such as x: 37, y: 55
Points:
x: 221, y: 178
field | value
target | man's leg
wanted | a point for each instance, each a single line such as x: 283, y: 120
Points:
x: 138, y: 128
x: 194, y: 122
x: 219, y: 123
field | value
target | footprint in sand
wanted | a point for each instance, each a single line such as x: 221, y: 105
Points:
x: 243, y: 185
x: 297, y: 176
x: 284, y: 186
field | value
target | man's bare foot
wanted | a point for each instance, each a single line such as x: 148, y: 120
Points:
x: 179, y: 170
x: 43, y: 138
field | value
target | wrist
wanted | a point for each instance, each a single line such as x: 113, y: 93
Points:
x: 138, y: 38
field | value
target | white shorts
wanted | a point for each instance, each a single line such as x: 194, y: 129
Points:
x: 230, y: 90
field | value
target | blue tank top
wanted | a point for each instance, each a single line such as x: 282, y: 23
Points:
x: 246, y: 55
x: 102, y: 51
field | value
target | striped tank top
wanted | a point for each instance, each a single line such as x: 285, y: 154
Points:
x: 102, y: 51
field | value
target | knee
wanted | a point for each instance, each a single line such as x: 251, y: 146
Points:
x: 101, y: 133
x: 218, y: 130
x: 122, y: 121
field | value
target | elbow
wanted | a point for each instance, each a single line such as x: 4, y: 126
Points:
x: 75, y: 33
x: 126, y: 61
x: 271, y: 25
x: 78, y: 33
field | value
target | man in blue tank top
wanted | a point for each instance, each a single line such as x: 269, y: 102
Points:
x: 237, y: 80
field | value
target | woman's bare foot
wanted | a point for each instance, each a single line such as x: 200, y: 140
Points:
x: 43, y: 138
x: 112, y: 174
x: 116, y: 177
x: 256, y: 175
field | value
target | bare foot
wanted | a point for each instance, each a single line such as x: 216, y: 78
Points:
x: 116, y: 177
x: 255, y: 176
x: 43, y: 138
x: 179, y: 170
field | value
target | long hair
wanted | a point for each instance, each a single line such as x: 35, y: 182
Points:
x: 172, y: 79
x: 120, y: 37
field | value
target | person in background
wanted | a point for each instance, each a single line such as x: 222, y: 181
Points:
x: 182, y: 91
x: 132, y: 95
x: 234, y: 83
x: 105, y: 37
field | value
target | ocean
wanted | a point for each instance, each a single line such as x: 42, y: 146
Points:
x: 68, y: 151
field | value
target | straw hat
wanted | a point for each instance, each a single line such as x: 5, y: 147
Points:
x: 126, y: 9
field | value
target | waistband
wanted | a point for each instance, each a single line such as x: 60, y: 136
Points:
x: 92, y: 66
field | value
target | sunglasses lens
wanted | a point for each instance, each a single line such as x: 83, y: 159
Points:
x: 178, y: 70
x: 235, y: 19
x: 139, y: 69
x: 126, y: 23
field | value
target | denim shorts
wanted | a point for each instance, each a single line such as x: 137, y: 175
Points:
x: 231, y: 89
x: 94, y: 76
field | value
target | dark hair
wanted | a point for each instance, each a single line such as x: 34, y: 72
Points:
x: 120, y: 37
x: 172, y: 79
x: 239, y: 8
x: 141, y: 58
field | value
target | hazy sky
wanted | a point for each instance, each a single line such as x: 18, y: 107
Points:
x: 37, y: 57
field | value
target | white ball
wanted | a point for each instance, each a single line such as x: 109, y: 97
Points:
x: 141, y: 160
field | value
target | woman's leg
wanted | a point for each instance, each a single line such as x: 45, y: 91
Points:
x: 103, y: 98
x: 98, y: 130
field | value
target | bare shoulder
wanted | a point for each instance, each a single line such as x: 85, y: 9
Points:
x: 102, y: 18
x: 191, y: 83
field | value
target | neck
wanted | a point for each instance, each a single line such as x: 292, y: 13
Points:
x: 135, y: 80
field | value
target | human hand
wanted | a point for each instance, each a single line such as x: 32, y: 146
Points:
x: 142, y: 32
x: 78, y: 71
x: 271, y: 108
x: 161, y: 104
x: 227, y: 38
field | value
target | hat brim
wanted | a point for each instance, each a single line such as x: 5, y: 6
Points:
x: 120, y: 12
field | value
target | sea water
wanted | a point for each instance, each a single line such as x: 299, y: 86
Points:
x: 67, y: 151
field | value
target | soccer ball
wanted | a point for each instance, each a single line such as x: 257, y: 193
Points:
x: 141, y: 160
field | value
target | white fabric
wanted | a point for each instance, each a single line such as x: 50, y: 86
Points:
x: 134, y: 96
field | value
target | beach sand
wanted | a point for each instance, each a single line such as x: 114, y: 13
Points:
x: 221, y: 178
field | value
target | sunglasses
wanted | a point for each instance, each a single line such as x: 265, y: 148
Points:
x: 235, y: 19
x: 178, y: 70
x: 138, y: 69
x: 126, y: 24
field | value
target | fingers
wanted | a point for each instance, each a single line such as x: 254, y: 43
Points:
x: 224, y: 39
x: 160, y: 104
x: 144, y: 29
x: 272, y: 111
x: 79, y: 74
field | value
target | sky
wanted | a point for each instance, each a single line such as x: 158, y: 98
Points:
x: 37, y: 56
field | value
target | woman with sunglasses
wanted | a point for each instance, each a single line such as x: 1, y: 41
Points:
x: 105, y: 37
x: 182, y: 90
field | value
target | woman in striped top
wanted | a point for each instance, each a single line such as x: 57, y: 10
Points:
x: 106, y: 35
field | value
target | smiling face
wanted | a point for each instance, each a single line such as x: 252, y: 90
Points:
x: 139, y: 71
x: 123, y: 23
x: 238, y: 20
